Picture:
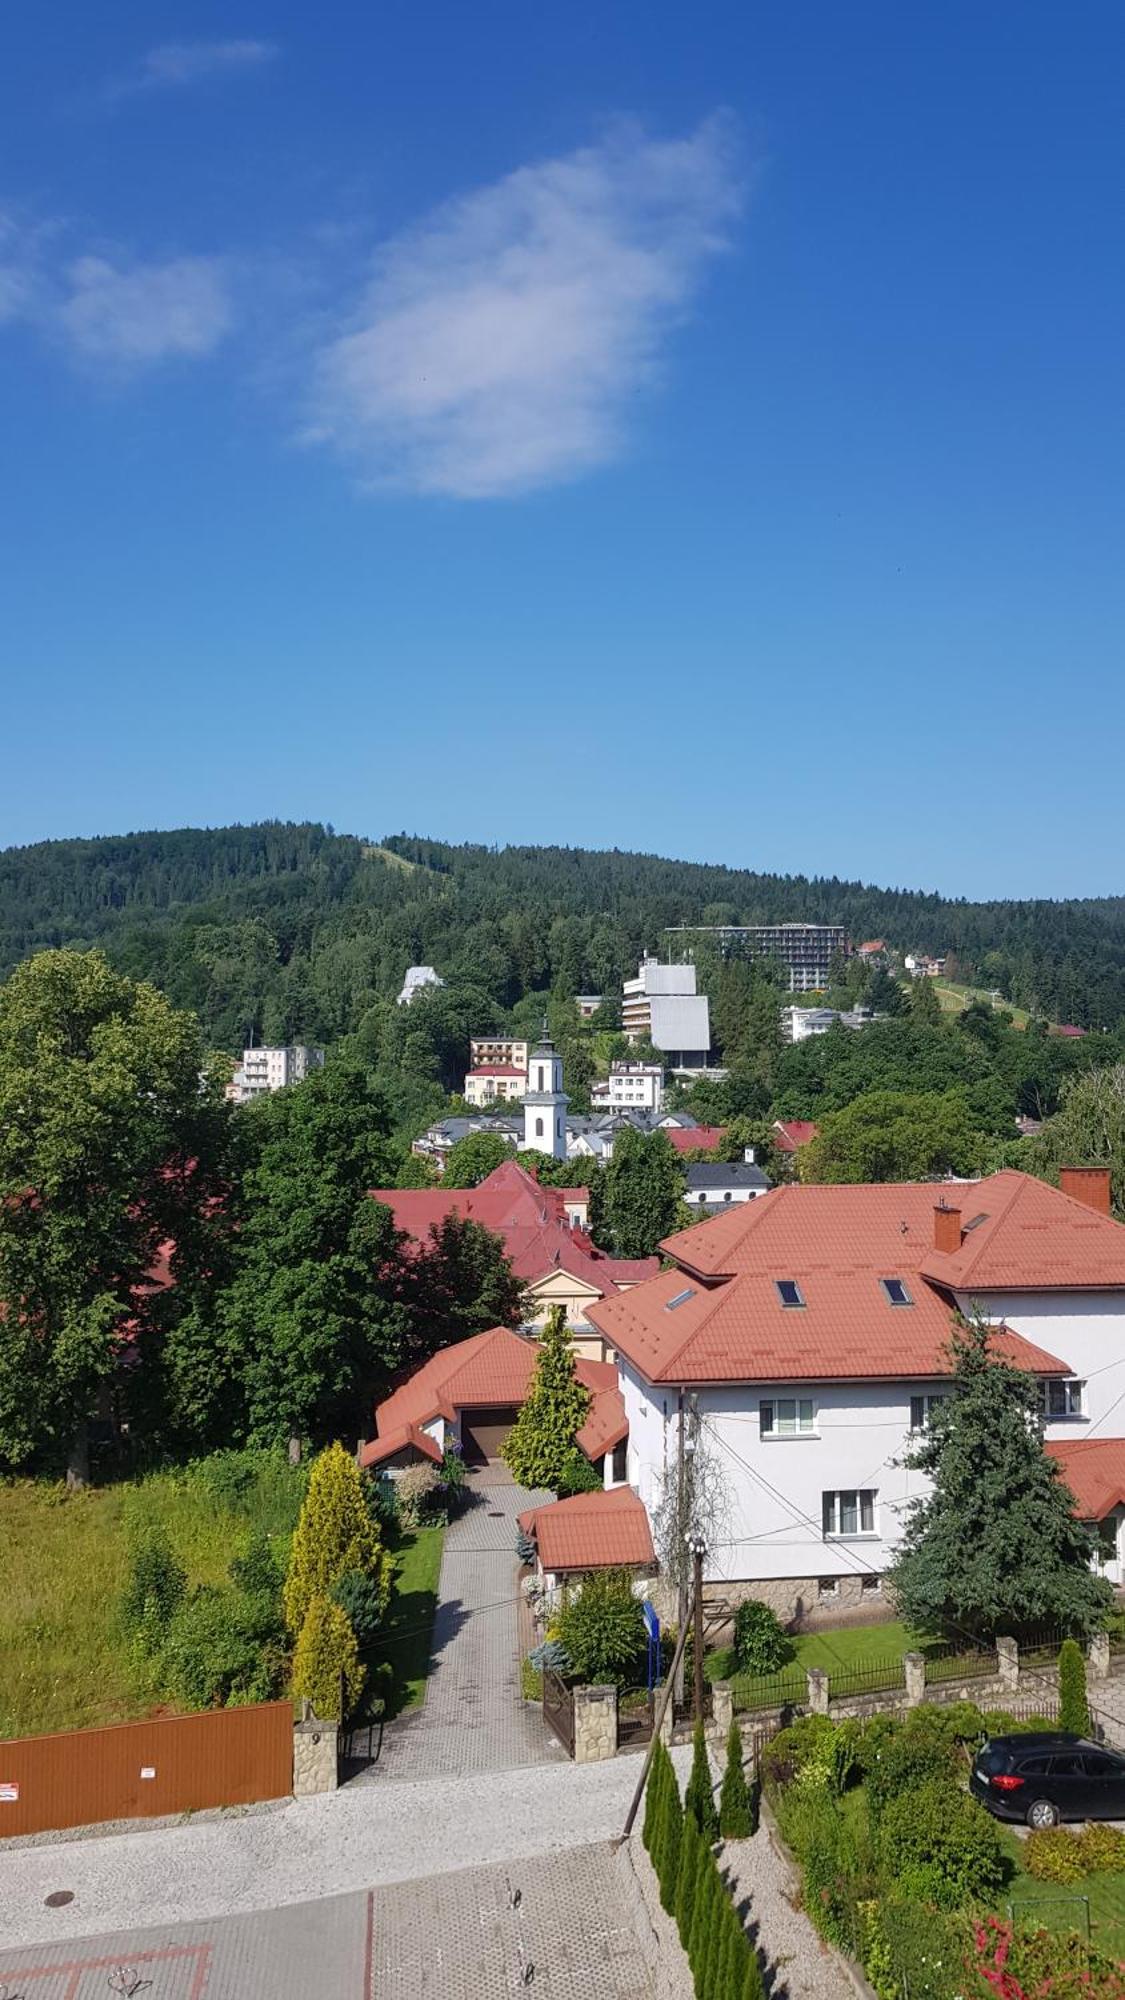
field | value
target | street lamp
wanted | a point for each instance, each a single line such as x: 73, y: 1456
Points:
x: 698, y: 1551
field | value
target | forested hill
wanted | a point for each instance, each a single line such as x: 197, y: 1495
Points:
x: 294, y: 930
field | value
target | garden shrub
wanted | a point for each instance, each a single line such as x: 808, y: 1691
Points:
x: 663, y: 1824
x: 834, y: 1884
x: 222, y: 1648
x: 575, y: 1474
x: 1032, y: 1964
x: 603, y: 1629
x: 257, y: 1570
x: 998, y: 1722
x: 738, y: 1817
x: 1074, y: 1708
x: 1054, y: 1856
x: 938, y: 1844
x: 1103, y: 1849
x: 550, y: 1654
x: 326, y: 1661
x: 914, y: 1754
x: 761, y: 1644
x: 156, y: 1585
x: 783, y: 1756
x: 531, y: 1681
x: 453, y: 1477
x: 381, y: 1497
x: 525, y: 1549
x: 420, y: 1495
x: 926, y: 1949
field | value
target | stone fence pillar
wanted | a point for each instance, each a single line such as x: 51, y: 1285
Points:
x: 914, y: 1672
x: 315, y: 1754
x: 1099, y: 1656
x: 1008, y: 1662
x: 722, y: 1709
x: 818, y: 1690
x: 595, y: 1724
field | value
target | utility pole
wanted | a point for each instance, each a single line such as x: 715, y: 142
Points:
x: 697, y: 1552
x: 681, y: 1542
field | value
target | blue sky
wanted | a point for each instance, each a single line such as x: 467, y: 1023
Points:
x: 696, y: 429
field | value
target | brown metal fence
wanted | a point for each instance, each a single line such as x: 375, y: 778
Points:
x: 558, y: 1708
x: 139, y: 1770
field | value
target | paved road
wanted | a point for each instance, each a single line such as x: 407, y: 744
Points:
x: 470, y: 1935
x: 473, y: 1718
x: 364, y: 1837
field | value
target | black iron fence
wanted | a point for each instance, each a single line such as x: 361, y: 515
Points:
x: 636, y: 1709
x: 952, y: 1661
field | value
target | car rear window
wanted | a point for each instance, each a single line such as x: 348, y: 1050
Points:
x: 993, y: 1760
x: 1100, y: 1767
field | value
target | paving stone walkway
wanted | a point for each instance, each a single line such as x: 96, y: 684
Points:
x: 472, y: 1718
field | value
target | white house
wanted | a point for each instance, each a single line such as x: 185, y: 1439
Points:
x: 806, y: 1329
x: 630, y: 1086
x: 418, y: 977
x: 266, y: 1069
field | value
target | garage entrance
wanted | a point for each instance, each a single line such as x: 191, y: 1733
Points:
x: 483, y: 1432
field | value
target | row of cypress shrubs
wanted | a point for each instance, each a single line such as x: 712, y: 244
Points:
x: 679, y: 1836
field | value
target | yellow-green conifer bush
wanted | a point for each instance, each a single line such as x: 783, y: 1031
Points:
x: 327, y: 1662
x: 335, y: 1534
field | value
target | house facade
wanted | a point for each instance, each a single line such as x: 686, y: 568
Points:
x: 711, y: 1188
x: 801, y: 1339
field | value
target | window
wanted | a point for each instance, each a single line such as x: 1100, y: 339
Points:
x: 539, y: 1128
x: 788, y: 1416
x: 922, y: 1409
x: 789, y: 1291
x: 679, y: 1299
x: 870, y: 1586
x: 1062, y: 1399
x: 829, y: 1586
x: 897, y: 1294
x: 848, y: 1512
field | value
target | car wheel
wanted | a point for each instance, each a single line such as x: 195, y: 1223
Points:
x: 1042, y: 1814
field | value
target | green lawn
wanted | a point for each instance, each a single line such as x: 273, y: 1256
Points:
x: 64, y: 1654
x: 1063, y: 1908
x: 410, y: 1619
x: 954, y: 998
x: 835, y: 1651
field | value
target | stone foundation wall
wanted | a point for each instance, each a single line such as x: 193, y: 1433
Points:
x: 800, y: 1607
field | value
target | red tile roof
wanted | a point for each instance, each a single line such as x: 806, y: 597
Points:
x: 591, y: 1531
x: 1094, y: 1470
x: 719, y: 1317
x: 402, y: 1439
x: 794, y: 1132
x: 496, y: 1368
x: 693, y: 1138
x: 530, y: 1220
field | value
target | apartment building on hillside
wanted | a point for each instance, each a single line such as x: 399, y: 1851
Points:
x: 805, y: 951
x: 263, y: 1070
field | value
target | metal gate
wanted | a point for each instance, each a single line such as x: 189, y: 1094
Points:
x: 558, y: 1708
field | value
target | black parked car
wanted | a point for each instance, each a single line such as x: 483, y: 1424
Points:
x: 1044, y: 1778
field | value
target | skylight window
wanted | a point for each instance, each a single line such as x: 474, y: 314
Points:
x: 789, y: 1292
x: 896, y: 1292
x: 976, y: 1221
x: 680, y: 1299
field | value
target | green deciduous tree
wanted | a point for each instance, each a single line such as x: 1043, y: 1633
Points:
x: 474, y: 1157
x: 641, y: 1194
x: 995, y: 1546
x: 896, y: 1136
x: 335, y: 1534
x: 459, y: 1284
x: 313, y: 1321
x: 539, y: 1448
x: 111, y: 1120
x: 1088, y: 1130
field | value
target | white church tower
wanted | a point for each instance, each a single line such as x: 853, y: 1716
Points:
x: 544, y: 1107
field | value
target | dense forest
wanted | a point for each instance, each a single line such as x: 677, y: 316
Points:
x: 284, y: 932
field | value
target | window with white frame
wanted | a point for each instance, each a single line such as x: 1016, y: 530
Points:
x: 848, y: 1512
x: 787, y: 1416
x: 923, y: 1407
x: 1062, y: 1399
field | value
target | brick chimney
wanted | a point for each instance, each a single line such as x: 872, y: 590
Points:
x: 947, y: 1229
x: 1087, y: 1184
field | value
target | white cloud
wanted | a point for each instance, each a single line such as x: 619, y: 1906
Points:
x: 147, y: 313
x: 176, y: 63
x: 500, y: 340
